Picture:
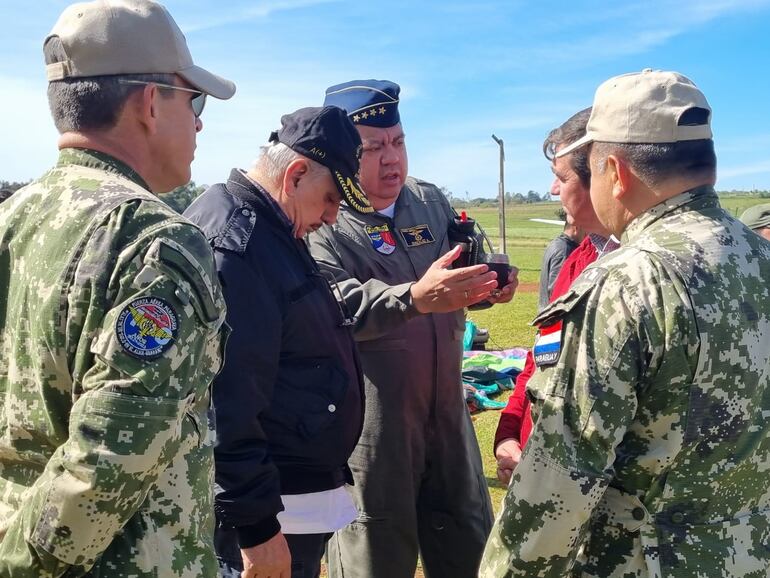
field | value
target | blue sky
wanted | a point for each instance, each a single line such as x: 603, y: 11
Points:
x: 467, y: 70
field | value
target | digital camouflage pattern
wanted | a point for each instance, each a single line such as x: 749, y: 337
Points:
x: 650, y: 454
x: 106, y: 461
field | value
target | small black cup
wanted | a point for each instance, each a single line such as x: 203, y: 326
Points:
x: 497, y: 262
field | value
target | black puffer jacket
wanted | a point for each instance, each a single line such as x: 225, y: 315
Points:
x: 289, y: 399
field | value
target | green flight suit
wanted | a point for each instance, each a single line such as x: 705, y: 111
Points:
x: 418, y: 475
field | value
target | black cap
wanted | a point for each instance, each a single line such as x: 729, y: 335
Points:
x: 368, y: 102
x: 327, y: 136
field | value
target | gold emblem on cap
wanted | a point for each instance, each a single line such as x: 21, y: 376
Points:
x: 353, y: 195
x: 356, y: 117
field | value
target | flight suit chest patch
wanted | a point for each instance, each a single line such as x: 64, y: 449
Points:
x: 418, y: 235
x: 382, y: 238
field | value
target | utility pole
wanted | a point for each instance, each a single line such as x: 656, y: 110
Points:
x: 501, y: 202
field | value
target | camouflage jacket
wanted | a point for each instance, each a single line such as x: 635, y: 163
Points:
x: 651, y: 445
x: 110, y: 316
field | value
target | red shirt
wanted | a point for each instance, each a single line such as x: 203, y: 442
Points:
x: 515, y: 419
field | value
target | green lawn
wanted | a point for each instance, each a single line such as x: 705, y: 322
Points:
x: 736, y: 204
x: 525, y: 240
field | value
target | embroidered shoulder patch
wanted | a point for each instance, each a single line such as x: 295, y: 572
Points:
x: 382, y: 239
x: 146, y: 327
x: 548, y: 345
x: 416, y: 236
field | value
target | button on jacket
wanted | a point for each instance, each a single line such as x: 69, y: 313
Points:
x: 289, y: 400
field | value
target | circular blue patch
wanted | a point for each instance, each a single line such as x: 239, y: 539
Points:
x: 146, y: 327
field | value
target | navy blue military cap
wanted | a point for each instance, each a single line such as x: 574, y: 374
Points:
x: 327, y: 136
x: 367, y: 102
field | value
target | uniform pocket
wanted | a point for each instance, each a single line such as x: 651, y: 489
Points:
x: 308, y: 394
x: 739, y: 546
x: 117, y: 445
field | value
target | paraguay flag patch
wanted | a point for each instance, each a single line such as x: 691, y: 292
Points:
x: 382, y: 239
x: 548, y: 345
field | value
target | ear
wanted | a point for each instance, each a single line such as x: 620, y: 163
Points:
x: 620, y: 175
x: 146, y: 102
x: 292, y: 177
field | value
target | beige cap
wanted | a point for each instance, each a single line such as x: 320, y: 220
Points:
x: 757, y: 217
x: 646, y: 107
x: 108, y: 37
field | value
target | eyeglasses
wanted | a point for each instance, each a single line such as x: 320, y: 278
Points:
x: 347, y: 319
x: 197, y: 102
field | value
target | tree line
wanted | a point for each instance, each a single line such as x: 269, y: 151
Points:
x: 180, y: 198
x: 536, y: 197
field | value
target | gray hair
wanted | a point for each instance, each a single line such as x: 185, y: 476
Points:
x: 275, y: 158
x: 91, y: 103
x: 657, y: 162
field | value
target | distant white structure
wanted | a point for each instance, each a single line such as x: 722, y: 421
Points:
x: 549, y: 221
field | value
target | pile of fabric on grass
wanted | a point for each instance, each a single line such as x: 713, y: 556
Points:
x: 486, y: 374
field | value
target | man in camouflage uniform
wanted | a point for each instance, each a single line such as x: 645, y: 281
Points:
x: 650, y: 447
x: 111, y: 314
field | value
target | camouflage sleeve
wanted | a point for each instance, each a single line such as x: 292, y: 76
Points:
x: 582, y: 406
x: 153, y: 347
x: 378, y: 307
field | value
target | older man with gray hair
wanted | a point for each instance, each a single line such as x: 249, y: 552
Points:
x: 289, y: 400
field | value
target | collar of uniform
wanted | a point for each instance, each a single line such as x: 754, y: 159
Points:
x: 597, y: 241
x: 699, y: 197
x: 602, y: 244
x: 404, y: 199
x: 99, y: 160
x: 253, y: 193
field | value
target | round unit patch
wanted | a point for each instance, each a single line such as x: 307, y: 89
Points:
x: 146, y: 327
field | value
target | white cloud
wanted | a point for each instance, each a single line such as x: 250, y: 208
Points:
x: 246, y: 12
x: 755, y: 168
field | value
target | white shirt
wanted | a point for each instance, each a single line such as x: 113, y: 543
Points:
x: 318, y: 512
x: 388, y: 211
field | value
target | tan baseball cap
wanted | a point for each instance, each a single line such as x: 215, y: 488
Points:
x: 107, y: 37
x: 757, y: 217
x: 651, y: 106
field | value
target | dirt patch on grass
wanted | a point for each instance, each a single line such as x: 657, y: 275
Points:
x: 528, y: 288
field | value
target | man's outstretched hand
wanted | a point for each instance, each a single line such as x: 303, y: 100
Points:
x: 443, y: 289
